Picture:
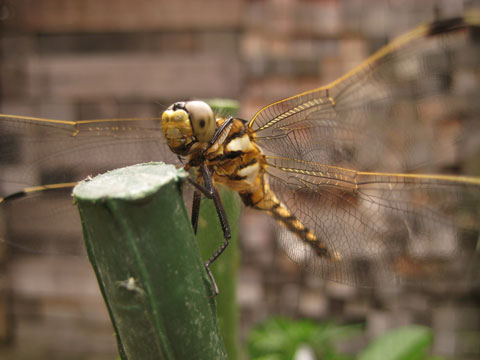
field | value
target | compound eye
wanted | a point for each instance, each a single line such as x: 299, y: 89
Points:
x: 203, y: 120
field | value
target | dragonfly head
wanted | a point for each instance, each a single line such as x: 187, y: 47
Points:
x: 185, y: 124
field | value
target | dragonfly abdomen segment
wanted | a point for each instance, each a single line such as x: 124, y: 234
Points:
x: 280, y: 213
x: 264, y: 199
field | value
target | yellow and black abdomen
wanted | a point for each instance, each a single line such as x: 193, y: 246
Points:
x: 263, y: 198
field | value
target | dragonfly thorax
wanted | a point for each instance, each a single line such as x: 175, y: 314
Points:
x: 185, y: 124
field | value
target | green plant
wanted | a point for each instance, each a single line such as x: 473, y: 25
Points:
x: 279, y: 339
x: 405, y: 343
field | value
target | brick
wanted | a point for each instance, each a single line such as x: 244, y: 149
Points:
x: 218, y: 43
x: 122, y: 15
x: 5, y: 320
x: 320, y: 18
x: 58, y: 307
x: 38, y: 234
x: 250, y: 291
x: 62, y: 337
x: 312, y: 304
x: 178, y: 42
x: 39, y: 277
x: 135, y: 76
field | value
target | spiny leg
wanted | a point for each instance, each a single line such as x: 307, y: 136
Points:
x: 197, y: 198
x: 211, y: 192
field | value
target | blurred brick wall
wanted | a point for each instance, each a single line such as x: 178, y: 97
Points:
x: 86, y: 59
x: 96, y: 59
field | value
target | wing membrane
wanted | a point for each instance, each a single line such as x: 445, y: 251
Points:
x: 53, y: 222
x: 388, y: 105
x: 57, y: 154
x: 346, y: 159
x: 69, y: 151
x: 375, y: 223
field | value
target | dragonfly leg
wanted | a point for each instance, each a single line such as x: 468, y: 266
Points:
x: 197, y: 198
x: 211, y: 192
x: 219, y: 131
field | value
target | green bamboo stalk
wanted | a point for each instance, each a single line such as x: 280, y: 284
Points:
x: 225, y: 268
x: 142, y: 248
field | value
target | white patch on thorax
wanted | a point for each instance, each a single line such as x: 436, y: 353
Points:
x: 240, y: 144
x: 249, y: 172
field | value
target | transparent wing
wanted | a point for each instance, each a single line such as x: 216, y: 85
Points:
x: 42, y: 159
x: 44, y: 222
x: 410, y: 108
x: 39, y: 151
x: 381, y: 227
x: 391, y: 104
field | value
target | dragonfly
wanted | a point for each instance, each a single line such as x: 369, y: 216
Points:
x: 350, y: 187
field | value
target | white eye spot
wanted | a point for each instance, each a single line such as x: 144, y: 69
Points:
x: 203, y: 120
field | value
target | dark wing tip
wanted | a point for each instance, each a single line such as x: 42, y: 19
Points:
x: 447, y: 25
x: 14, y: 196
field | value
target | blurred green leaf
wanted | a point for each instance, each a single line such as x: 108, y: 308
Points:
x: 279, y: 339
x: 406, y: 343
